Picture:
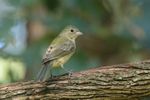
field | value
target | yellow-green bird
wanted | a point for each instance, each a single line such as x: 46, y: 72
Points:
x: 60, y: 50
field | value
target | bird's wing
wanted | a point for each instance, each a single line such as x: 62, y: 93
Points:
x: 57, y: 51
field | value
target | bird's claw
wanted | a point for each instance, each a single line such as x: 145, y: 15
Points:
x: 70, y: 73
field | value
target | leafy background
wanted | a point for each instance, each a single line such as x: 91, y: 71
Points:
x: 115, y: 31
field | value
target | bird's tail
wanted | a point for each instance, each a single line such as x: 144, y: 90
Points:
x: 42, y: 73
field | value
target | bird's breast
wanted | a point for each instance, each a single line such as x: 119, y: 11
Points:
x: 60, y: 61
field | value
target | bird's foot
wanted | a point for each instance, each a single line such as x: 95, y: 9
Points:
x: 70, y: 73
x: 50, y: 78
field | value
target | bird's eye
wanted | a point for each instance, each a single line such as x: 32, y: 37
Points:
x: 72, y: 30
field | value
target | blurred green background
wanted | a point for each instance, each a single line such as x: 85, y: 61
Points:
x: 115, y: 31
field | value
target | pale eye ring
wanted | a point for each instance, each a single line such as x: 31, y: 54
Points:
x: 71, y: 30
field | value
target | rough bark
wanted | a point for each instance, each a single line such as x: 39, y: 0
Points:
x: 124, y: 81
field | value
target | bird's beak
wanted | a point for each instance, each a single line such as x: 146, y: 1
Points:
x: 79, y: 33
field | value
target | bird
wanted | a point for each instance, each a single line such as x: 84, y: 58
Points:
x: 59, y: 51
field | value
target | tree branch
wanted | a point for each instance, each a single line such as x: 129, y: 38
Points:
x: 124, y: 81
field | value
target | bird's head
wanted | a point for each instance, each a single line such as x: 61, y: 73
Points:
x: 71, y: 32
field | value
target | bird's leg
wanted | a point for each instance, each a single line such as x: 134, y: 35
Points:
x: 69, y: 72
x: 51, y: 75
